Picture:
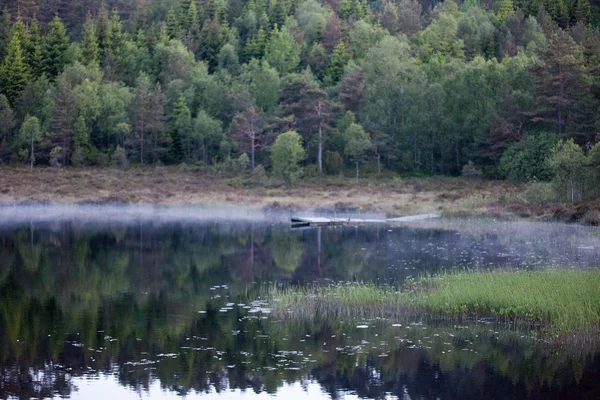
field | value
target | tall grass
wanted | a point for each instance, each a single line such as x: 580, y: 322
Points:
x: 561, y: 299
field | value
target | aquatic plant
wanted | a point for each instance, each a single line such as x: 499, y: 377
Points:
x: 559, y: 300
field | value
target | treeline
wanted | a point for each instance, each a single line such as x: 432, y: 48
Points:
x: 409, y: 86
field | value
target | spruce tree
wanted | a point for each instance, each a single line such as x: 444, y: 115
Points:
x: 506, y: 8
x: 116, y: 38
x: 102, y: 29
x: 33, y: 49
x: 180, y: 127
x: 55, y: 48
x: 172, y: 24
x: 90, y: 52
x: 5, y: 24
x: 582, y: 10
x: 14, y: 72
x: 351, y: 8
x: 339, y: 59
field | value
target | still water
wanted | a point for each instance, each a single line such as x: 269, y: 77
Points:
x: 100, y: 303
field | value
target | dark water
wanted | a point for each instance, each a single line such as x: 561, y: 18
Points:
x: 123, y: 307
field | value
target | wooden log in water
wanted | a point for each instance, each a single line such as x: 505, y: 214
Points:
x: 322, y: 221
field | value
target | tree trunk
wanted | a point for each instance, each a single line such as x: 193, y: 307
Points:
x: 142, y: 141
x: 356, y: 171
x: 252, y: 147
x: 32, y: 154
x: 320, y: 155
x: 379, y: 163
x: 559, y: 104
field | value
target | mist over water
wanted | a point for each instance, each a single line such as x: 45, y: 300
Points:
x: 123, y: 302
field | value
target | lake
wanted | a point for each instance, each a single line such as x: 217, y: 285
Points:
x: 138, y: 302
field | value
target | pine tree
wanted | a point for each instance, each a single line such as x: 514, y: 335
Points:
x: 55, y: 48
x: 90, y: 52
x: 33, y: 49
x: 14, y: 72
x: 339, y: 59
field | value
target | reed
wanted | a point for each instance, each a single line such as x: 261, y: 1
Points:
x: 557, y: 299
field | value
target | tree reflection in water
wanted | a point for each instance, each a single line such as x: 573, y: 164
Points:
x: 170, y: 302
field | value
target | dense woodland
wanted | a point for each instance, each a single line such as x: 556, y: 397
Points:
x: 504, y: 89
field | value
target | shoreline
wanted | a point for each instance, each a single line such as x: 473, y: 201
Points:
x: 176, y: 186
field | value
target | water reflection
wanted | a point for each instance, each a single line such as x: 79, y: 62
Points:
x: 141, y: 304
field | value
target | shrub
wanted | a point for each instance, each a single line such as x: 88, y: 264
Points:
x: 525, y: 160
x: 333, y: 163
x: 470, y: 171
x: 119, y: 158
x: 55, y: 155
x: 539, y: 193
x: 259, y: 175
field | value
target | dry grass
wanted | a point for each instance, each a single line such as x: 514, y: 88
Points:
x: 175, y: 186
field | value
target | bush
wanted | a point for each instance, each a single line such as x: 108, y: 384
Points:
x: 311, y: 171
x: 470, y: 171
x: 55, y: 155
x: 259, y: 175
x: 95, y: 157
x: 79, y: 158
x: 243, y: 161
x: 539, y: 193
x: 119, y: 158
x: 334, y: 163
x: 526, y: 160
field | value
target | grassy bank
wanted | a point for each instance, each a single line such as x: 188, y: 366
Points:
x: 561, y: 300
x: 184, y: 185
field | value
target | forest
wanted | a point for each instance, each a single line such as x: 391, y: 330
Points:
x: 302, y: 88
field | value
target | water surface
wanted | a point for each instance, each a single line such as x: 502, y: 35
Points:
x: 139, y: 302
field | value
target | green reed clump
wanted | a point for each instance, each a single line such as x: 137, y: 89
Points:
x: 566, y: 299
x: 562, y: 299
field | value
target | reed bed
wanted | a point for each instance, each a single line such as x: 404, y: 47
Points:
x: 558, y: 299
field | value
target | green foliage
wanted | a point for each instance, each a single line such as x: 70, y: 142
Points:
x: 119, y: 158
x: 357, y: 144
x: 567, y: 163
x: 90, y: 52
x: 14, y: 71
x: 434, y: 89
x: 55, y: 48
x: 525, y: 160
x: 29, y: 137
x: 286, y: 153
x: 357, y: 141
x: 282, y: 52
x: 339, y: 59
x: 333, y: 163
